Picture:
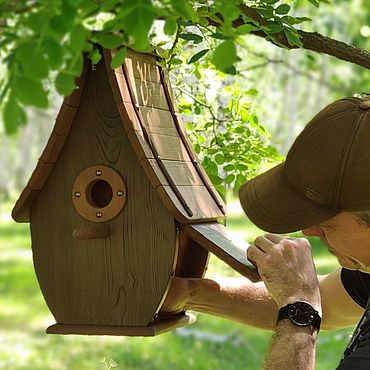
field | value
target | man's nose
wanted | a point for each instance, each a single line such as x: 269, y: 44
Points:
x: 313, y: 231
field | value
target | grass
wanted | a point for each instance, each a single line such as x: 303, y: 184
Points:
x: 212, y: 343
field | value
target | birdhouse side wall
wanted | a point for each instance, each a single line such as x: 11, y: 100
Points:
x: 120, y: 279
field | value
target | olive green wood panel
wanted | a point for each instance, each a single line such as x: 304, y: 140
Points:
x: 118, y: 280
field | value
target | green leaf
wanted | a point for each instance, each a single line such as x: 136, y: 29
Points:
x: 221, y: 190
x: 267, y: 12
x: 273, y: 28
x: 13, y: 116
x: 137, y: 18
x: 293, y: 37
x: 118, y: 58
x: 225, y: 55
x: 229, y: 179
x: 245, y: 29
x: 78, y: 38
x: 35, y: 19
x: 54, y: 52
x: 315, y: 2
x: 30, y: 92
x: 95, y: 56
x: 59, y: 25
x: 197, y: 110
x: 216, y: 180
x: 241, y: 167
x: 33, y: 61
x: 170, y: 27
x: 197, y: 148
x: 184, y: 10
x: 229, y: 167
x: 64, y: 83
x: 198, y: 55
x: 109, y: 41
x: 220, y: 36
x: 175, y: 62
x: 252, y: 92
x: 210, y: 166
x: 191, y: 37
x: 219, y: 158
x: 282, y: 9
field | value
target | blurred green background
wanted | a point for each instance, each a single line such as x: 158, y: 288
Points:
x: 211, y: 343
x: 288, y: 88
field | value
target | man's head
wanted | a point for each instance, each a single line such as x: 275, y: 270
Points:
x: 326, y: 172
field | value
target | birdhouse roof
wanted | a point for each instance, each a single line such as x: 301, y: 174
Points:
x: 151, y: 120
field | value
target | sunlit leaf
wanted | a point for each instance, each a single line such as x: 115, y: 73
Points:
x: 118, y: 58
x: 33, y: 60
x: 191, y: 37
x: 13, y: 116
x: 293, y: 38
x: 170, y: 26
x: 95, y: 56
x: 54, y: 52
x: 198, y: 55
x: 137, y: 18
x: 184, y: 9
x: 225, y: 55
x: 64, y: 83
x: 109, y: 41
x: 282, y: 9
x: 30, y: 92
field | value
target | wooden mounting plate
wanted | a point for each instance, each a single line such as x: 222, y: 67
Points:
x: 160, y: 325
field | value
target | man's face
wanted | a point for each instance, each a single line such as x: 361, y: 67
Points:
x: 347, y: 238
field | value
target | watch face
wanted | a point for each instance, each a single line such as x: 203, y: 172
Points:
x: 301, y: 313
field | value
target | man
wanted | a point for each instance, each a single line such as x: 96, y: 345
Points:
x: 323, y: 189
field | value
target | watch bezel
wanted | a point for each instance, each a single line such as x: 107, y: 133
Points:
x: 301, y: 310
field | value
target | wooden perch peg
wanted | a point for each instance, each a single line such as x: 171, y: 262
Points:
x: 90, y: 232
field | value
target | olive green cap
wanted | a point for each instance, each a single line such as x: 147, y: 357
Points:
x: 326, y: 171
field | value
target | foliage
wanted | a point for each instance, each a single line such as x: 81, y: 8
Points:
x: 211, y: 343
x: 222, y: 122
x: 43, y: 41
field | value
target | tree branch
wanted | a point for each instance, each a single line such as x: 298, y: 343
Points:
x: 311, y: 40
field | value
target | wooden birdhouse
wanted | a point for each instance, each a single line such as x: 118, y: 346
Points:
x: 118, y: 205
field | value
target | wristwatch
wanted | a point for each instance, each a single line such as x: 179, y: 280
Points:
x: 301, y: 314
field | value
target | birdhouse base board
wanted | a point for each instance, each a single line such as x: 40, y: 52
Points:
x: 157, y: 326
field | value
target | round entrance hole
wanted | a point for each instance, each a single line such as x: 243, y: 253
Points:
x: 101, y: 193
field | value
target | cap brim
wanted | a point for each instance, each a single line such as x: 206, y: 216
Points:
x: 274, y: 206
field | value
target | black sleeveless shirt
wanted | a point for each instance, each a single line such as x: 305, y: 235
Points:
x: 357, y: 354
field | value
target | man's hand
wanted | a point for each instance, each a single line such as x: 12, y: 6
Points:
x: 177, y: 297
x: 287, y: 269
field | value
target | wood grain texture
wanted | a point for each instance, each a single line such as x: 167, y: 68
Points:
x: 182, y: 173
x: 40, y: 175
x: 199, y: 200
x: 64, y: 120
x: 142, y: 66
x: 158, y: 326
x: 145, y: 93
x: 53, y: 148
x: 91, y: 232
x: 156, y: 121
x: 215, y: 238
x: 192, y: 258
x: 119, y: 280
x: 22, y: 207
x: 168, y: 147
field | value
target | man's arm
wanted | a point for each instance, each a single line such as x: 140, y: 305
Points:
x: 239, y: 299
x: 287, y: 269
